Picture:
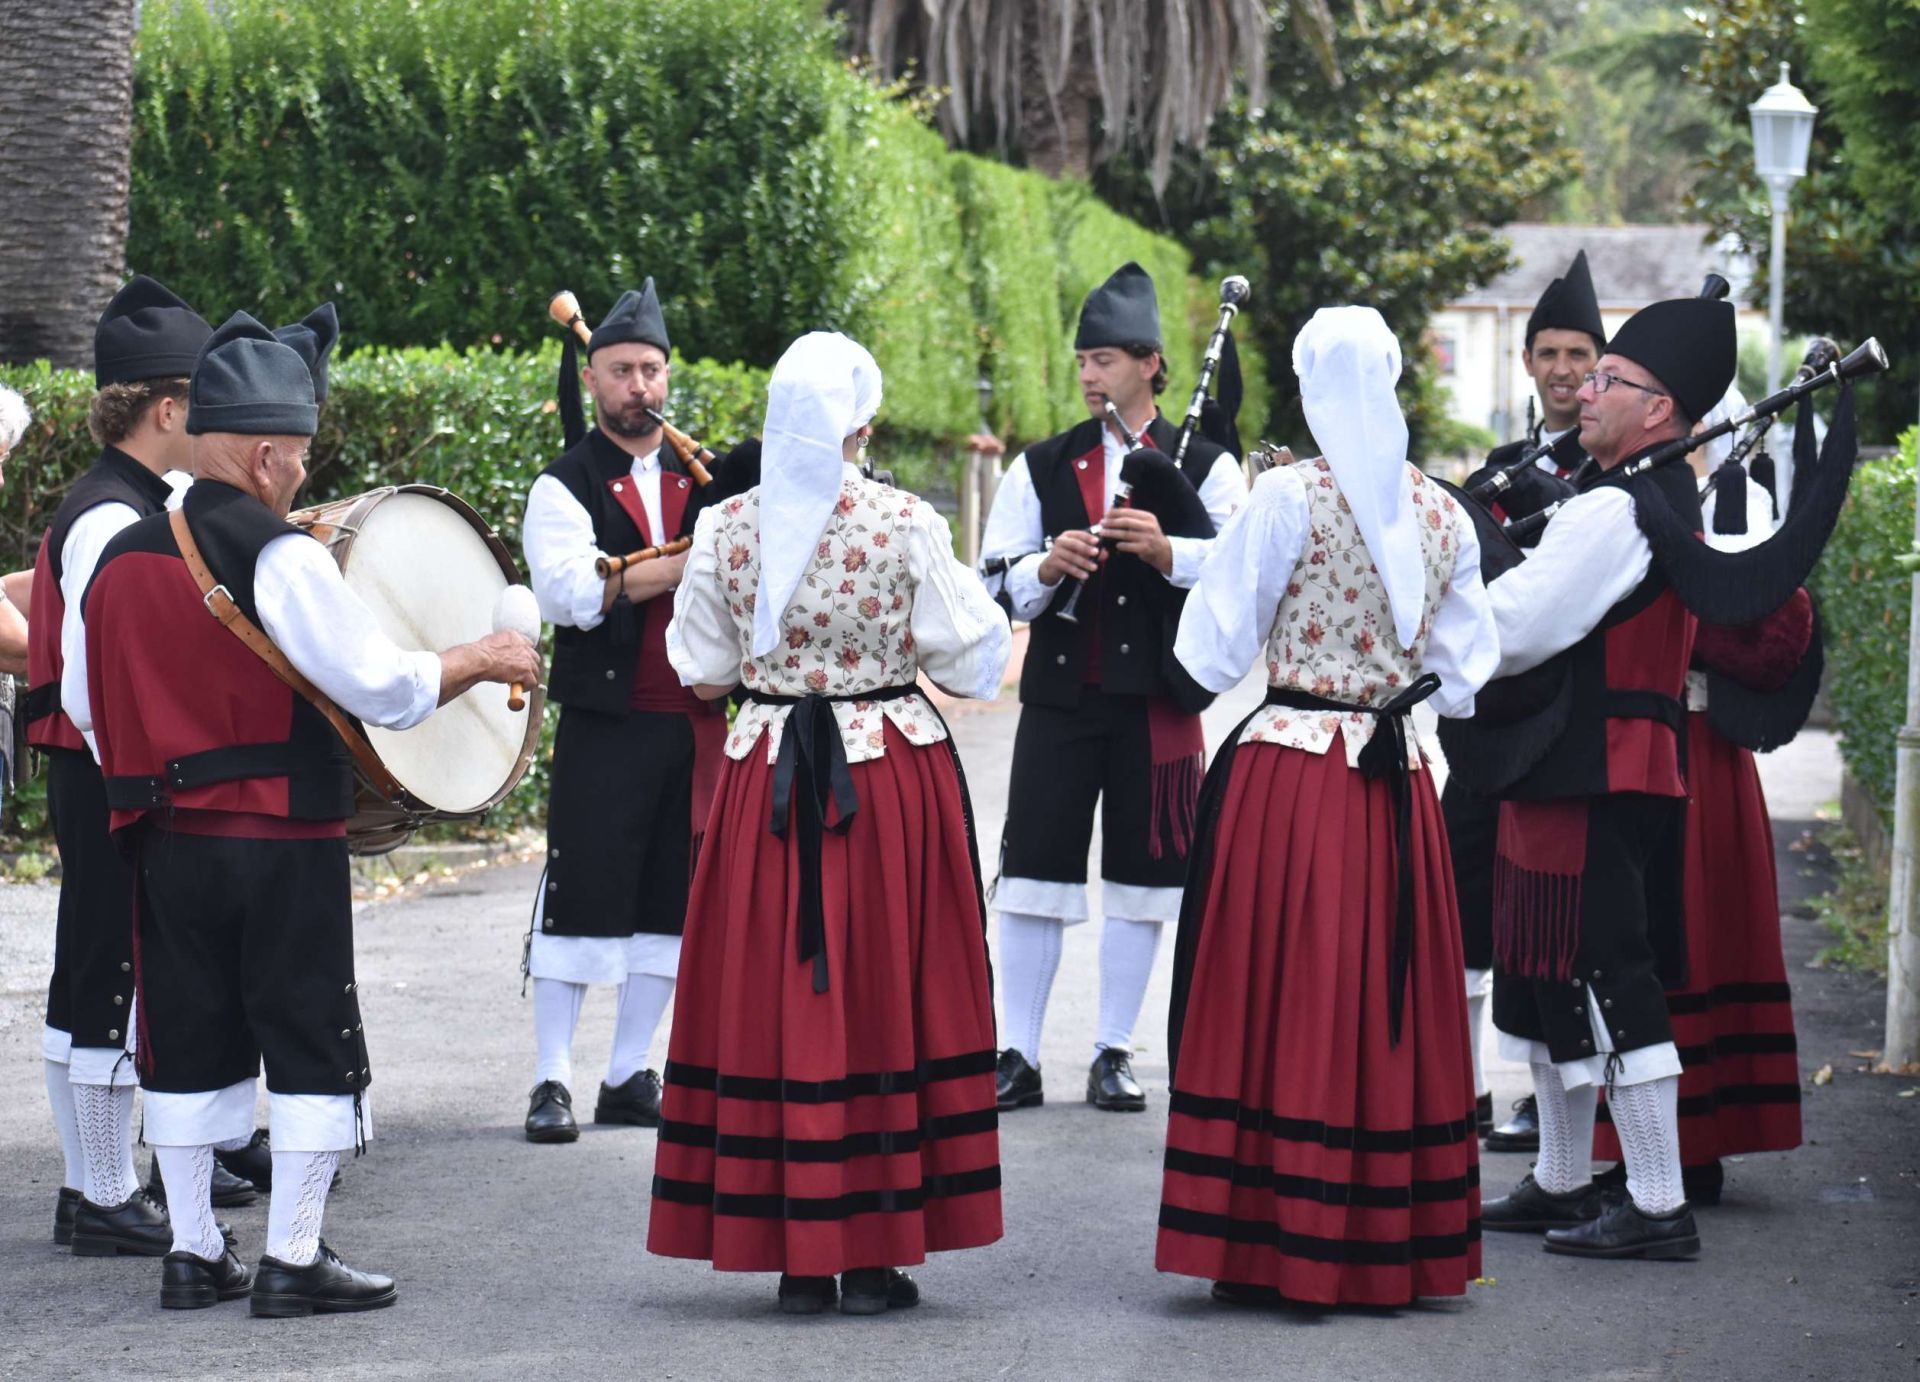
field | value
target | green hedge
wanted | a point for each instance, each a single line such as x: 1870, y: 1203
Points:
x: 439, y: 167
x: 1865, y: 601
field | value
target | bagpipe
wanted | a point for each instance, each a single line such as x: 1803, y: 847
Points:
x: 717, y: 478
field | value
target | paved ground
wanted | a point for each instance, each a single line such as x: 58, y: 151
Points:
x: 516, y: 1260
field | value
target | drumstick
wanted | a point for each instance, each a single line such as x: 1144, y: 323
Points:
x: 565, y: 309
x: 608, y: 567
x: 517, y: 612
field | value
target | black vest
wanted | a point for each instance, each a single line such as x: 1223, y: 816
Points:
x: 594, y: 668
x: 1139, y: 609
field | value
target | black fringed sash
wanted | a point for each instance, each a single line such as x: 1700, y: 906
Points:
x: 810, y: 750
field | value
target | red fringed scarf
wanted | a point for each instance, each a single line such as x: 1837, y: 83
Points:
x: 1177, y: 751
x: 1539, y: 857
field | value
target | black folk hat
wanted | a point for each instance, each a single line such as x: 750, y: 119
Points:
x: 1688, y: 344
x: 1569, y: 304
x: 635, y: 318
x: 313, y: 337
x: 147, y: 332
x: 249, y: 381
x: 1120, y: 312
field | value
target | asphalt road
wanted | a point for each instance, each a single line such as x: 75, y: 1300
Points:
x: 516, y: 1260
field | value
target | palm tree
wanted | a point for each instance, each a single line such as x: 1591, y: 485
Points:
x: 66, y: 113
x: 1070, y: 82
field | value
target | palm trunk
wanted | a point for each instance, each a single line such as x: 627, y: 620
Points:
x: 66, y: 115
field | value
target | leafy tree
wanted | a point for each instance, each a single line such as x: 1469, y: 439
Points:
x: 1853, y: 248
x: 1382, y: 192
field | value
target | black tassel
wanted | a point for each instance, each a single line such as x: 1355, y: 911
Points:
x: 573, y: 414
x: 1744, y: 587
x: 1730, y: 500
x: 1761, y: 468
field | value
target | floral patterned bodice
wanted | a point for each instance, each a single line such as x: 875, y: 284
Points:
x: 847, y: 628
x: 1333, y: 633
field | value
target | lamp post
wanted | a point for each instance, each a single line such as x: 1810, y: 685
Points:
x: 1782, y: 130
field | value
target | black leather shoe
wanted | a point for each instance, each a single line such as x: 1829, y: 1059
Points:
x: 1520, y: 1133
x: 1624, y: 1230
x: 1702, y: 1184
x: 64, y: 1208
x: 137, y: 1228
x: 1483, y: 1115
x: 252, y: 1162
x: 229, y: 1190
x: 1110, y: 1083
x: 550, y: 1114
x: 324, y: 1286
x: 1529, y: 1209
x: 635, y: 1101
x: 876, y: 1290
x: 1244, y: 1293
x: 806, y: 1295
x: 188, y: 1282
x: 1016, y: 1084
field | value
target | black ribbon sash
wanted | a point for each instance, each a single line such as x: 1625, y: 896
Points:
x: 811, y: 752
x: 1385, y: 756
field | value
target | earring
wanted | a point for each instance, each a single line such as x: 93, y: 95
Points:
x: 864, y: 441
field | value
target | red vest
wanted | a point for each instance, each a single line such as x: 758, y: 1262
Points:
x: 656, y: 686
x: 187, y: 719
x: 1646, y: 655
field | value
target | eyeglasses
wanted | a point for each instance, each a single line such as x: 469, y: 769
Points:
x: 1600, y: 381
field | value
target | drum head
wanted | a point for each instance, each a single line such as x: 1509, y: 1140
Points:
x: 432, y: 582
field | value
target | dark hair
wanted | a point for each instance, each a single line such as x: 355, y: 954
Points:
x: 117, y: 408
x: 1141, y: 352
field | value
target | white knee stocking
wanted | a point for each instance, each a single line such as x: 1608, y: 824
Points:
x: 643, y: 1002
x: 1127, y: 949
x: 104, y: 1114
x: 299, y: 1203
x: 1479, y: 989
x: 1647, y: 1118
x: 556, y: 1012
x: 1566, y: 1132
x: 1029, y: 958
x: 66, y: 1124
x: 187, y: 1172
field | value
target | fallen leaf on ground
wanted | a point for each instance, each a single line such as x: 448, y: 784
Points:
x: 1865, y: 1055
x: 1824, y: 1075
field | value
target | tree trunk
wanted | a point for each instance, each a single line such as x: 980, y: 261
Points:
x: 66, y: 118
x: 1058, y: 142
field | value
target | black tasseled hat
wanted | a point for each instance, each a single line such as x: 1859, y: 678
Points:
x: 250, y: 382
x: 313, y: 336
x: 634, y: 318
x: 1569, y: 304
x: 147, y: 332
x: 1688, y: 345
x: 1120, y: 312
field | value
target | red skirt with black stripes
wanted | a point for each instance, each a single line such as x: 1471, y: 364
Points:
x: 814, y: 1132
x: 1306, y: 1151
x: 1733, y: 1022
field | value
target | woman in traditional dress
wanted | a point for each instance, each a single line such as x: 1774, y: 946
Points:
x: 1321, y: 1145
x: 829, y: 1098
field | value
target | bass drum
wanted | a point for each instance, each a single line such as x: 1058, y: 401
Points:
x: 431, y: 570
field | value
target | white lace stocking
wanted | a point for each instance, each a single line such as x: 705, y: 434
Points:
x: 1029, y: 958
x: 1647, y: 1118
x: 299, y: 1202
x: 1566, y: 1132
x: 187, y: 1172
x: 66, y: 1123
x: 104, y: 1115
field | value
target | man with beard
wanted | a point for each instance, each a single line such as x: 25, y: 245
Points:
x: 634, y: 746
x: 1564, y: 339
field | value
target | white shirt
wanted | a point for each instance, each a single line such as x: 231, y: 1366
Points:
x: 1589, y: 559
x: 557, y: 538
x: 1014, y: 525
x: 327, y: 633
x: 1227, y: 619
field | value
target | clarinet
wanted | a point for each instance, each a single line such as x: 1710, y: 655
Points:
x: 1068, y: 610
x: 1234, y: 291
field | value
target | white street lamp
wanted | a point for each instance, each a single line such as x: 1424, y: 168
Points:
x: 1782, y: 131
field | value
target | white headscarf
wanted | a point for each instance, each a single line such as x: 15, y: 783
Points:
x: 1348, y: 362
x: 823, y: 390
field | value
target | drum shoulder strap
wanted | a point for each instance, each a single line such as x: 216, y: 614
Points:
x: 221, y: 606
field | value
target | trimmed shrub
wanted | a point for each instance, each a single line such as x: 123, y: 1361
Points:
x: 1865, y: 601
